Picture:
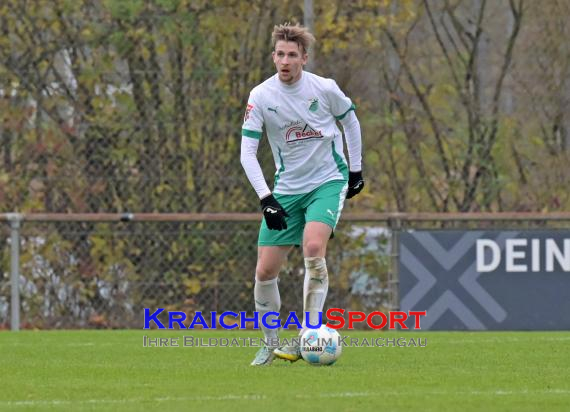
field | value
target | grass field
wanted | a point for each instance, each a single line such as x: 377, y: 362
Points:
x: 111, y: 370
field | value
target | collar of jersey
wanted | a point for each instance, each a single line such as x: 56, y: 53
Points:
x: 294, y: 88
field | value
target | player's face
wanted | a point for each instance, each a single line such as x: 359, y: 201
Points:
x: 289, y: 59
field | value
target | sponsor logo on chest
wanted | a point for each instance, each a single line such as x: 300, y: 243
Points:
x: 298, y: 132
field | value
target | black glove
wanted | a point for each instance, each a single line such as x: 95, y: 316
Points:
x: 274, y: 213
x: 355, y: 184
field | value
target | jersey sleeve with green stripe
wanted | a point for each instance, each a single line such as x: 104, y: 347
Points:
x: 300, y: 123
x: 252, y: 119
x: 340, y: 104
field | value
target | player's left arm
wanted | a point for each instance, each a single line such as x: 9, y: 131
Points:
x: 353, y: 137
x: 343, y: 109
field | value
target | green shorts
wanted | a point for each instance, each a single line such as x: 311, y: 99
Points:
x: 323, y: 204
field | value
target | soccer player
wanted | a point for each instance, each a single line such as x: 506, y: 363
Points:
x: 299, y: 111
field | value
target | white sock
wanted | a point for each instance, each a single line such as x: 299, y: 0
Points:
x: 267, y: 299
x: 315, y: 289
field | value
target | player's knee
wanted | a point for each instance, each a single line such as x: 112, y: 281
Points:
x: 264, y: 272
x: 313, y: 248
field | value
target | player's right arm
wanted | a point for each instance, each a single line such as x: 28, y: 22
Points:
x: 250, y: 136
x: 251, y: 133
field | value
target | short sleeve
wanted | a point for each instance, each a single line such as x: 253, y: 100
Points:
x: 252, y: 119
x: 340, y: 104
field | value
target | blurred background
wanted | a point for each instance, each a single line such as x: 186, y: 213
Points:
x: 137, y: 105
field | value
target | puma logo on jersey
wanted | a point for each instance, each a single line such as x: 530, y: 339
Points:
x: 270, y: 210
x: 273, y: 109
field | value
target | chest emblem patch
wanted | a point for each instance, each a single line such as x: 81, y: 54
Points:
x: 313, y: 105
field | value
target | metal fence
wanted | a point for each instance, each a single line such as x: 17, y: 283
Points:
x: 102, y: 270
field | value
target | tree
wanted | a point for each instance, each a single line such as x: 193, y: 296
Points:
x: 446, y: 104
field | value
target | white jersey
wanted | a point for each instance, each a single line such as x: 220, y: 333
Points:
x: 300, y: 122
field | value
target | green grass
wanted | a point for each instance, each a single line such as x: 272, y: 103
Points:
x: 110, y: 370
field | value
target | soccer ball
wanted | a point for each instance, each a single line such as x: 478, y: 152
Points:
x: 321, y: 346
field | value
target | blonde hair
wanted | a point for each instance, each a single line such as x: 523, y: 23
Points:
x: 297, y: 33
